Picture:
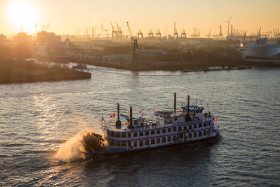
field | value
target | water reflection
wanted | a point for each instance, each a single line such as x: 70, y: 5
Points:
x: 150, y: 167
x: 47, y: 120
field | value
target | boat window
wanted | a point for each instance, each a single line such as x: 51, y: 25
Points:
x: 163, y: 139
x: 129, y: 143
x: 153, y: 141
x: 141, y: 134
x: 163, y: 130
x: 207, y: 123
x: 194, y: 135
x: 135, y: 144
x: 117, y: 134
x: 123, y: 135
x: 174, y: 138
x: 175, y: 119
x: 190, y: 135
x: 190, y: 126
x: 147, y: 142
x: 113, y: 143
x: 141, y: 143
x: 158, y: 140
x: 123, y: 144
x: 180, y: 128
x: 169, y: 139
x: 135, y: 134
x: 118, y: 143
x: 195, y: 126
x: 169, y: 130
x: 153, y: 132
x: 112, y: 134
x: 174, y: 129
x: 181, y: 135
x: 199, y: 134
x: 185, y: 127
x: 147, y: 133
x: 158, y: 131
x: 200, y: 125
x: 129, y: 134
x: 204, y: 133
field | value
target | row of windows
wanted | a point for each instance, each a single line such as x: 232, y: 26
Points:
x: 159, y: 140
x: 157, y: 131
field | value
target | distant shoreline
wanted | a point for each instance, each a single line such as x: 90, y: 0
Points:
x: 191, y: 66
x: 25, y: 72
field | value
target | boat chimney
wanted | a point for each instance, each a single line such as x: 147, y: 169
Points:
x: 188, y: 118
x: 118, y: 122
x: 174, y: 102
x: 130, y: 115
x: 130, y: 119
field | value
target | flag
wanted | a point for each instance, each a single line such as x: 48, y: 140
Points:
x: 102, y: 120
x: 141, y: 112
x: 215, y: 119
x: 113, y: 116
x: 128, y: 121
x: 206, y: 104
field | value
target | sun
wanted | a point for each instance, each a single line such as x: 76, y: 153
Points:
x: 22, y: 15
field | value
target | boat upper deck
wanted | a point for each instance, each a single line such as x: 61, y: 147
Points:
x: 154, y: 124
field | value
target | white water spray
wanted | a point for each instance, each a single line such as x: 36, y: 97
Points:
x: 72, y: 149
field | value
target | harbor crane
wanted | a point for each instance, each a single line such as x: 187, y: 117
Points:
x: 158, y: 33
x: 196, y: 33
x: 140, y: 33
x: 129, y: 31
x: 47, y: 27
x: 183, y: 34
x: 209, y: 34
x: 175, y: 35
x: 114, y: 32
x: 150, y: 34
x: 119, y: 31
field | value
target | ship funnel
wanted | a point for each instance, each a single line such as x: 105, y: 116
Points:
x: 130, y: 119
x: 188, y: 118
x: 174, y: 102
x: 118, y: 122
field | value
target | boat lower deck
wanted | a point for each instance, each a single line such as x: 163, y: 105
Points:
x: 140, y: 147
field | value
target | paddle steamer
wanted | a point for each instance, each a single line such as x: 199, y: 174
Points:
x: 170, y: 127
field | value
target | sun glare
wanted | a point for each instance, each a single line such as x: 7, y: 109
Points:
x: 22, y: 15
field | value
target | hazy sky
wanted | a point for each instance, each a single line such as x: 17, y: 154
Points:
x: 67, y: 16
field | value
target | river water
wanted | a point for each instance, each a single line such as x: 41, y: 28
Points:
x: 37, y: 118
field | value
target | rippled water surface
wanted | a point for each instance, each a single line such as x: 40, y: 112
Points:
x: 37, y: 118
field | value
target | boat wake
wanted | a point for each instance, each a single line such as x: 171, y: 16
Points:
x: 73, y: 149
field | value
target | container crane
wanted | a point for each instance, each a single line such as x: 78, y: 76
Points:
x: 183, y: 34
x: 150, y: 34
x: 140, y: 34
x: 158, y: 34
x: 129, y: 31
